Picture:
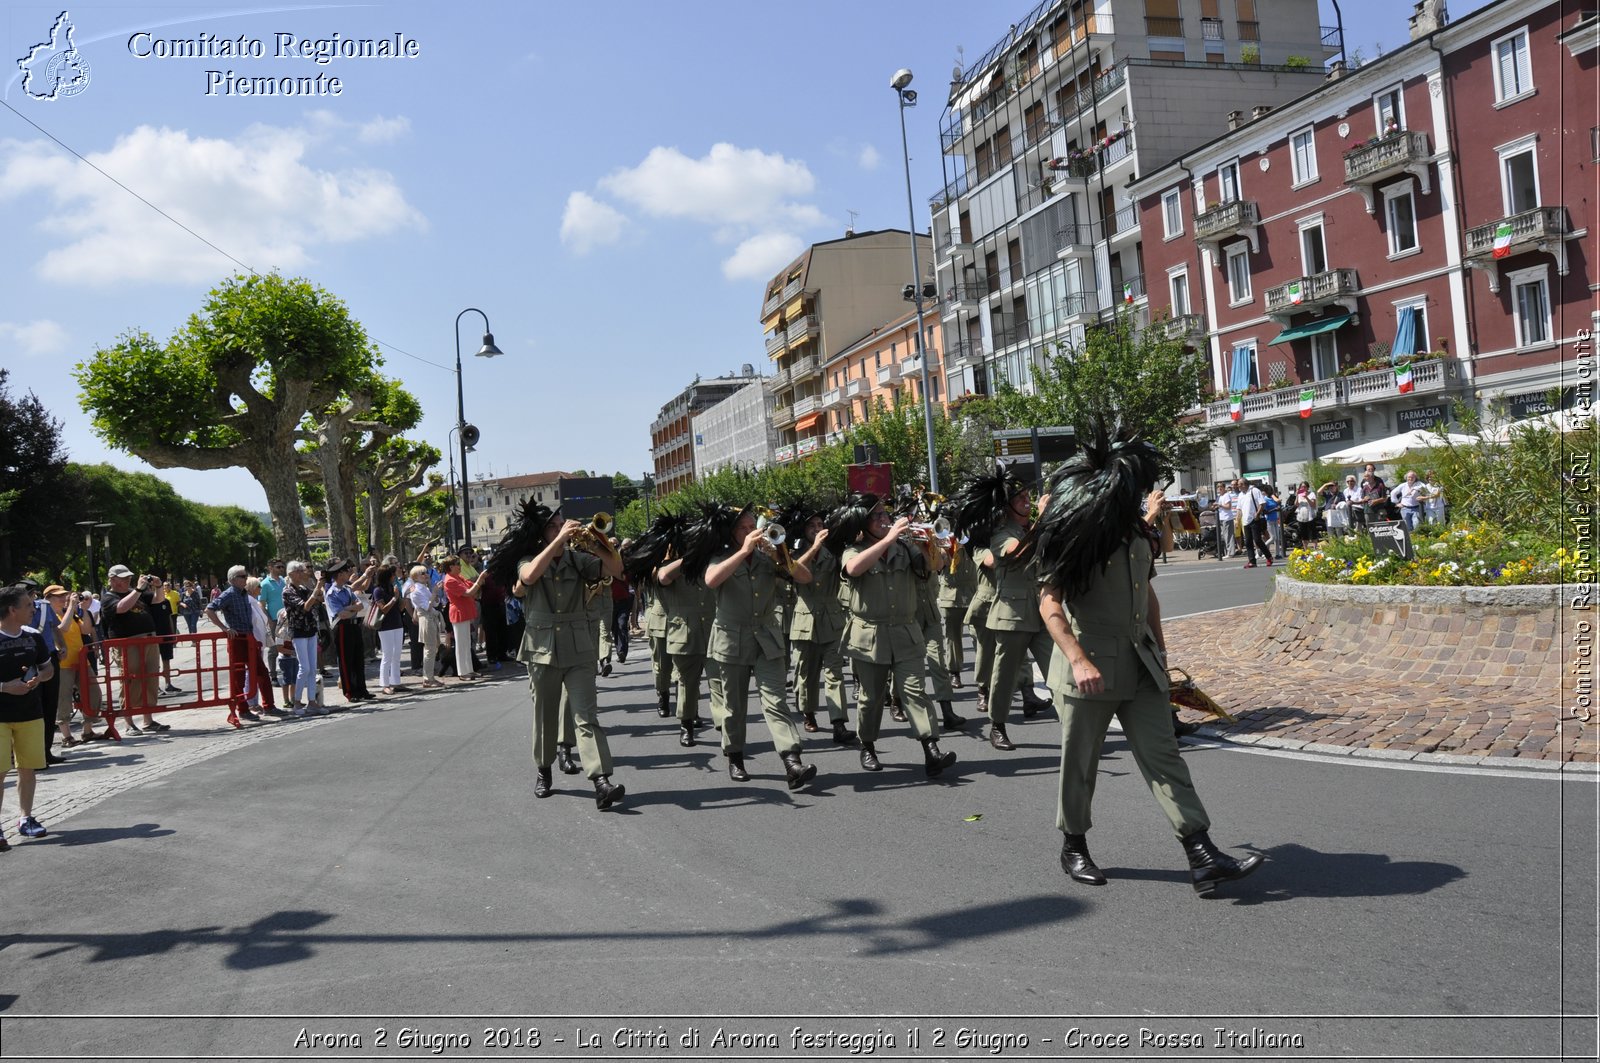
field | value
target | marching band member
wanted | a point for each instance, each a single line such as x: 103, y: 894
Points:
x: 725, y: 549
x: 882, y: 636
x: 558, y: 646
x: 1014, y: 615
x: 931, y: 622
x: 818, y: 621
x: 1096, y: 564
x: 686, y: 609
x: 957, y: 581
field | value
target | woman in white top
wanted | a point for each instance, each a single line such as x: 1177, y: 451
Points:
x: 420, y: 604
x: 1433, y: 501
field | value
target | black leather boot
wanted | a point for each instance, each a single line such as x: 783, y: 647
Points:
x: 1209, y: 866
x: 796, y: 773
x: 566, y: 761
x: 998, y: 737
x: 664, y: 704
x: 949, y: 720
x: 1182, y: 727
x: 935, y: 760
x: 606, y: 792
x: 869, y: 757
x: 1076, y: 861
x: 842, y: 734
x: 983, y: 702
x: 541, y: 782
x: 897, y: 711
x: 1032, y: 704
x: 810, y: 721
x: 736, y: 770
x: 686, y: 735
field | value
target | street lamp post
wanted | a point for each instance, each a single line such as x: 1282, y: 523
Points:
x: 466, y: 434
x: 252, y: 548
x: 88, y: 549
x: 908, y: 98
x: 104, y: 529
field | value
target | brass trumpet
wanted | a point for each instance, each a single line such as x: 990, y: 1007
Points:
x: 594, y: 537
x: 939, y: 530
x: 773, y: 536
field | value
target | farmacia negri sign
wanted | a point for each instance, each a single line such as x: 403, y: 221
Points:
x: 320, y: 51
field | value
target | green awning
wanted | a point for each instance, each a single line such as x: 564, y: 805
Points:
x: 1300, y: 332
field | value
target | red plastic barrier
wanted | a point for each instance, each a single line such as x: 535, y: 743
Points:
x: 130, y: 676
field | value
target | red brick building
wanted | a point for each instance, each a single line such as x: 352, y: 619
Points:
x: 1435, y: 199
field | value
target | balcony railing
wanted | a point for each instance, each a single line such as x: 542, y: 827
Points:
x: 964, y: 353
x: 1332, y: 38
x: 1123, y: 220
x: 801, y: 368
x: 972, y: 291
x: 854, y: 389
x: 1102, y: 157
x: 774, y: 301
x: 1099, y: 88
x: 1310, y: 293
x: 809, y: 404
x: 1163, y: 27
x: 1010, y: 337
x: 1232, y: 218
x: 1434, y: 374
x: 1249, y: 30
x: 1182, y: 327
x: 888, y: 374
x: 1398, y: 153
x: 808, y: 325
x: 1078, y: 304
x: 1129, y: 288
x: 1211, y: 29
x: 833, y: 397
x: 912, y: 367
x: 782, y: 416
x: 793, y: 288
x: 776, y: 341
x: 778, y: 381
x: 1074, y: 240
x: 1529, y: 230
x: 1280, y: 402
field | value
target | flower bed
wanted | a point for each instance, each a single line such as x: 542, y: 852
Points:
x: 1482, y: 555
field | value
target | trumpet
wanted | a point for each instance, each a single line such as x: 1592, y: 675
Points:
x: 767, y: 524
x: 938, y: 531
x: 594, y: 537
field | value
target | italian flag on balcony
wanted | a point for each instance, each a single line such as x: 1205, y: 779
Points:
x: 1402, y: 377
x: 1308, y: 399
x: 1502, y: 240
x: 1127, y: 293
x: 1296, y: 294
x: 1236, y: 406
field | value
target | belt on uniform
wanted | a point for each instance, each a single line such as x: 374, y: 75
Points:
x: 555, y: 618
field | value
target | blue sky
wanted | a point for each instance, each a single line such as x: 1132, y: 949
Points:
x: 612, y: 184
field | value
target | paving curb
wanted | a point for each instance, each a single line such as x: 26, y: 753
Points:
x: 1530, y: 765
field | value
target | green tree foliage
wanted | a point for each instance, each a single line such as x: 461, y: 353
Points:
x: 623, y: 490
x: 154, y: 529
x: 230, y: 388
x: 1119, y: 375
x: 33, y: 464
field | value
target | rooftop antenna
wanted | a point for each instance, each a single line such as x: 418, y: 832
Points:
x: 854, y: 214
x: 961, y: 58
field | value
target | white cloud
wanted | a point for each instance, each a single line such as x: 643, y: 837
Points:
x: 727, y: 185
x: 868, y: 159
x: 587, y: 223
x: 382, y: 130
x: 753, y: 199
x: 762, y: 255
x: 257, y: 196
x: 34, y: 337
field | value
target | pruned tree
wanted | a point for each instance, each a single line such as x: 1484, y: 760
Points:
x: 387, y: 479
x: 341, y: 438
x: 230, y: 388
x: 33, y: 466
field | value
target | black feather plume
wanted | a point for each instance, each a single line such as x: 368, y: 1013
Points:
x: 707, y: 536
x: 1095, y: 507
x: 975, y: 510
x: 651, y: 550
x: 524, y: 538
x: 848, y: 521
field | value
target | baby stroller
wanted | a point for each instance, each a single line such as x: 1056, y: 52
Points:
x: 1207, y: 546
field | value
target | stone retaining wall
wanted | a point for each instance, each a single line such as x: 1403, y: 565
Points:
x: 1469, y: 670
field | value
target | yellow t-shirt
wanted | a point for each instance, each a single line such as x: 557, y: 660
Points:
x: 72, y: 645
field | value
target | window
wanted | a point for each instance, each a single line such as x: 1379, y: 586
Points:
x: 1172, y: 214
x: 1244, y: 374
x: 1513, y: 74
x: 1530, y: 303
x: 1418, y: 307
x: 1179, y: 283
x: 1387, y: 110
x: 1228, y: 182
x: 1519, y: 179
x: 1238, y: 275
x: 1303, y: 148
x: 1324, y: 356
x: 1400, y: 210
x: 1313, y: 251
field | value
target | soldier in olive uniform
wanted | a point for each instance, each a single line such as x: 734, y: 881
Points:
x: 1096, y: 565
x: 655, y: 629
x: 814, y: 631
x: 655, y: 560
x: 882, y: 635
x: 931, y: 621
x: 957, y: 582
x: 1014, y: 616
x: 558, y: 644
x: 747, y: 637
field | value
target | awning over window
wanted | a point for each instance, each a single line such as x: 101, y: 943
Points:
x: 1300, y: 332
x: 808, y: 421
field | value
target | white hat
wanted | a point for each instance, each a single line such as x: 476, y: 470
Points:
x: 119, y: 572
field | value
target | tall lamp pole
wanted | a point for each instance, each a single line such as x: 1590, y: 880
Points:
x: 104, y: 529
x: 908, y: 98
x: 88, y: 549
x: 466, y: 434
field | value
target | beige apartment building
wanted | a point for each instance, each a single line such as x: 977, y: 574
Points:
x: 882, y: 365
x: 822, y: 303
x: 495, y: 501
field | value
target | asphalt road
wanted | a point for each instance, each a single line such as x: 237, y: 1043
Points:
x: 392, y: 871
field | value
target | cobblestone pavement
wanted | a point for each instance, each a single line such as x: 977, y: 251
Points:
x: 1466, y: 693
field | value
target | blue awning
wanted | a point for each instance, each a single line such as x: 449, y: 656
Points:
x: 1405, y: 335
x: 1300, y: 332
